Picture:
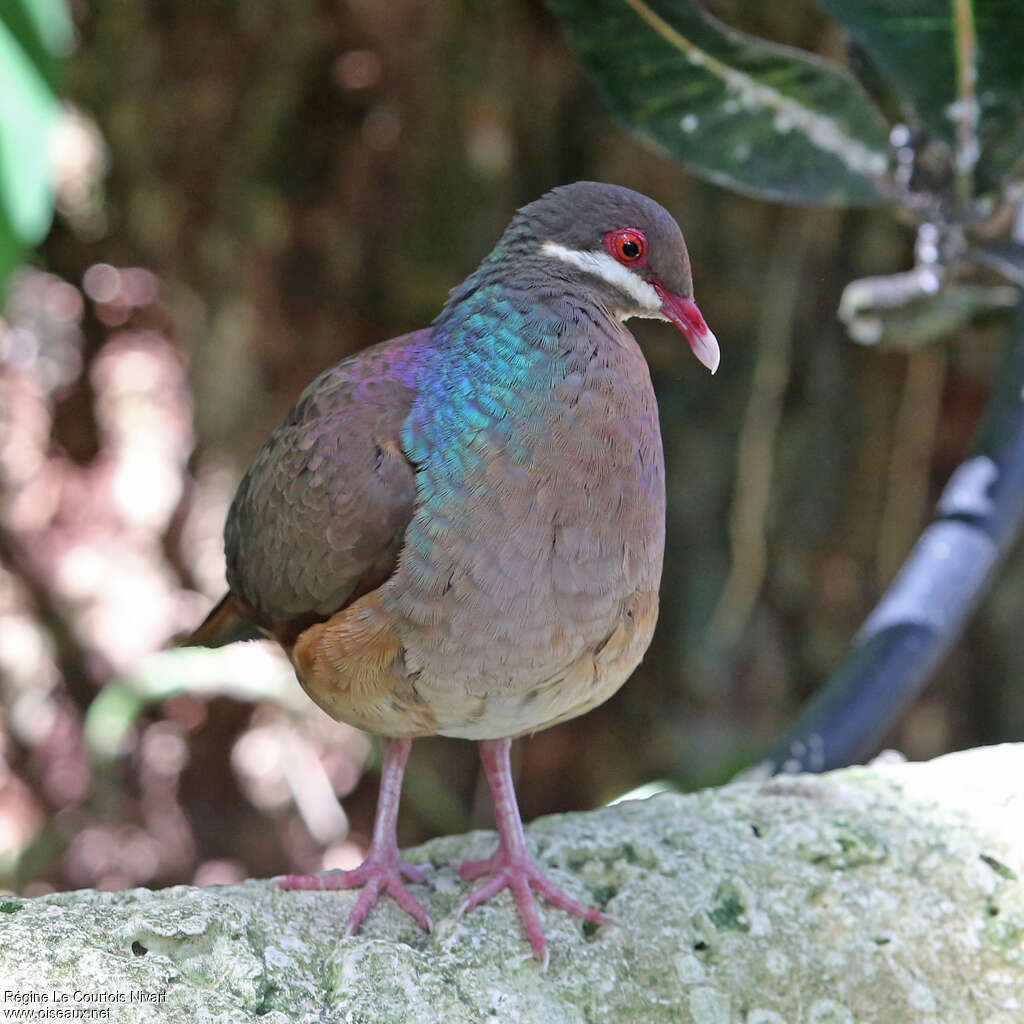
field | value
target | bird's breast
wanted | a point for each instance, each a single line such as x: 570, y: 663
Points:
x: 539, y: 524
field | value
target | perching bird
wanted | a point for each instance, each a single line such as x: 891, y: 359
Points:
x: 460, y: 531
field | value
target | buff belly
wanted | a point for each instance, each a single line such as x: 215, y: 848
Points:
x: 353, y: 666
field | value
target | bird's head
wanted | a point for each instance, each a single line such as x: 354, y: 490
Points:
x: 625, y: 247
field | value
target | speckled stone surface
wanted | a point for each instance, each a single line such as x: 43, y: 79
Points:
x: 883, y: 894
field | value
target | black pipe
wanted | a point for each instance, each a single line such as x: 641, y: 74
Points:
x: 925, y: 609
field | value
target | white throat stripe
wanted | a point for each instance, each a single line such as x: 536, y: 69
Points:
x: 605, y: 266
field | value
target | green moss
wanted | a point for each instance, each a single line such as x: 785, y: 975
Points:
x: 998, y: 867
x: 730, y: 912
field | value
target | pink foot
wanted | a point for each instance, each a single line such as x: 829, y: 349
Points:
x: 511, y: 867
x: 376, y: 874
x: 383, y: 868
x: 521, y: 875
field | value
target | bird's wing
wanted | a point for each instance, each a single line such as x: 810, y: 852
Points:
x: 320, y: 516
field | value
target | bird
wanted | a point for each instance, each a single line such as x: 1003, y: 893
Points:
x: 460, y: 531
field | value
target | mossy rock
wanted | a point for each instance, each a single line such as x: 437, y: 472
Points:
x: 882, y: 894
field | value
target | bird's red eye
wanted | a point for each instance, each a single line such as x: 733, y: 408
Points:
x: 627, y: 245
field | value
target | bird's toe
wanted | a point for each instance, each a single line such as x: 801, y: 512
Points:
x: 375, y: 877
x: 523, y: 877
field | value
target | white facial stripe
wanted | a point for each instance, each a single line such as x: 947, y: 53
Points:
x: 609, y: 269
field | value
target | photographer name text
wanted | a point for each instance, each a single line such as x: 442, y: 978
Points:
x: 58, y: 997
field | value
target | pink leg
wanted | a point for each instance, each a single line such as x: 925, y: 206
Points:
x: 511, y: 866
x: 383, y: 868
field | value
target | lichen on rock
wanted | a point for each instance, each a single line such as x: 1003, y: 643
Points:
x: 887, y: 893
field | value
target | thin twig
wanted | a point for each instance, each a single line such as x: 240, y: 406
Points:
x: 966, y: 107
x: 755, y: 457
x: 906, y: 494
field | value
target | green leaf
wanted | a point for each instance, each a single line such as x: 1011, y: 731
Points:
x: 752, y: 115
x: 914, y: 43
x: 27, y: 116
x: 10, y: 250
x: 32, y: 34
x: 42, y: 28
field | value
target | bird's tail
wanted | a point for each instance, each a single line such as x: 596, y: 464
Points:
x: 224, y: 625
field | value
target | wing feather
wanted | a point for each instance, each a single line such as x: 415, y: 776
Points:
x: 320, y: 516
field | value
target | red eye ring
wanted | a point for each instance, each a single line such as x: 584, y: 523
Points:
x: 628, y: 246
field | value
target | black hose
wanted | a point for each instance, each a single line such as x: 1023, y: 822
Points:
x: 926, y: 607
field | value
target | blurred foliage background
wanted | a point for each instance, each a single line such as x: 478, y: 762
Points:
x: 249, y: 190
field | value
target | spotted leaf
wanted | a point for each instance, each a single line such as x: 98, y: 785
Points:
x: 752, y: 115
x: 957, y: 65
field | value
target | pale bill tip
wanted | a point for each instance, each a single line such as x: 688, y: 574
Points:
x: 705, y: 348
